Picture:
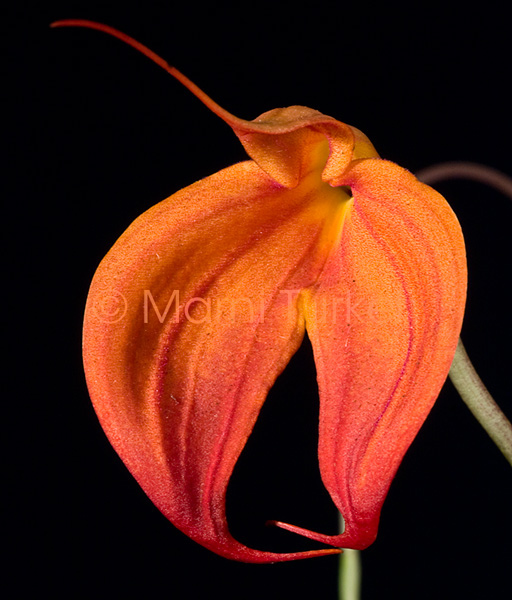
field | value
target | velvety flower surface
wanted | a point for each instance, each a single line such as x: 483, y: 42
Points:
x: 200, y: 304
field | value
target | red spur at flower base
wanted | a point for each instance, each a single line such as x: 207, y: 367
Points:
x: 216, y: 288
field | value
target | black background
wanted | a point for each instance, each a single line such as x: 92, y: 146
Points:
x: 94, y: 135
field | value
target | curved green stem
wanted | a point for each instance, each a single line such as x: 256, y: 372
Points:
x: 480, y: 402
x: 467, y: 170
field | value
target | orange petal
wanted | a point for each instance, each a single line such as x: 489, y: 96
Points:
x: 207, y: 283
x: 214, y: 288
x: 384, y: 320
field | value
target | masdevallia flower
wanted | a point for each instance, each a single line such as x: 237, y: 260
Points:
x: 216, y: 287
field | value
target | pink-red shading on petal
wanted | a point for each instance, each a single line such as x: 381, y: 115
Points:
x: 178, y: 392
x: 384, y: 321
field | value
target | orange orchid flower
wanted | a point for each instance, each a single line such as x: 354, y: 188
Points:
x: 215, y: 288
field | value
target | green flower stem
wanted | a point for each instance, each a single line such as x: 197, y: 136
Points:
x: 350, y: 575
x: 480, y: 402
x: 349, y: 571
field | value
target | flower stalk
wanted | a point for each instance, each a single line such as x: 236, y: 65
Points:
x: 480, y: 402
